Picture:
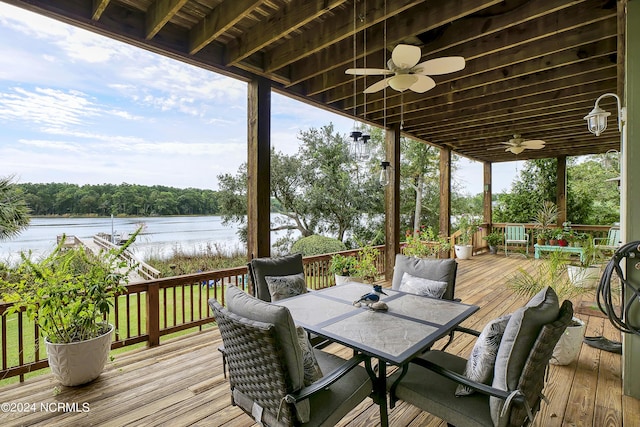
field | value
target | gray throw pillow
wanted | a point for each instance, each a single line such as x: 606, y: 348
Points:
x: 281, y: 287
x: 420, y: 286
x: 483, y: 356
x: 312, y: 371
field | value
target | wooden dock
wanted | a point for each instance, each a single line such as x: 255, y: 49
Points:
x: 180, y: 383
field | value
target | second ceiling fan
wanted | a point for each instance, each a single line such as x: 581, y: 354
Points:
x: 517, y: 144
x: 407, y: 73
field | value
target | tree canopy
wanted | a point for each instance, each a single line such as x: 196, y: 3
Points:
x: 14, y: 212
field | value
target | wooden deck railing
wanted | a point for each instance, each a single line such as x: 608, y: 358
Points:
x: 149, y: 311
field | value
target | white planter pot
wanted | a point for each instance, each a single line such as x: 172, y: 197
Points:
x: 569, y: 345
x: 79, y: 362
x: 584, y: 277
x: 343, y: 280
x: 463, y: 251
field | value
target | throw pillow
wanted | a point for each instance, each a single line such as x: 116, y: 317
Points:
x: 419, y: 286
x: 312, y: 372
x: 483, y: 356
x: 281, y: 287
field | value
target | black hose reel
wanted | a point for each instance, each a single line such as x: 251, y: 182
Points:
x: 626, y: 317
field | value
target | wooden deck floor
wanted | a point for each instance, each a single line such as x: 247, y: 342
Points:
x: 181, y: 383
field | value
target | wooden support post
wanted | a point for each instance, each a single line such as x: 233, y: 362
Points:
x: 153, y: 314
x: 259, y: 169
x: 561, y: 190
x: 629, y: 190
x: 445, y: 192
x: 487, y: 211
x: 392, y: 200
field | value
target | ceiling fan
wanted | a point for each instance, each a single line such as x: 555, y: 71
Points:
x: 407, y: 73
x: 517, y: 144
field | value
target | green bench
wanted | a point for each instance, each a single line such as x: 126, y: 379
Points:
x: 549, y: 248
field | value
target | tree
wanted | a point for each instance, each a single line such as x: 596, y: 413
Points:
x: 318, y: 190
x: 14, y: 212
x: 590, y: 198
x: 537, y: 183
x: 420, y: 184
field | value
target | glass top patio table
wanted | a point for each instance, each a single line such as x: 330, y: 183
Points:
x: 410, y: 326
x: 412, y: 323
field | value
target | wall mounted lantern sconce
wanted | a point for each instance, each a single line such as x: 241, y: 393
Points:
x: 384, y: 179
x: 597, y: 118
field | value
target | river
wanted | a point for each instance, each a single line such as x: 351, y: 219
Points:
x: 161, y: 236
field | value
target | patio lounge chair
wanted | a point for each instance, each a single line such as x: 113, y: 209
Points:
x: 432, y: 381
x: 609, y: 243
x: 267, y: 367
x: 515, y: 234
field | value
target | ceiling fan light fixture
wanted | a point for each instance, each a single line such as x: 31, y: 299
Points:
x: 402, y: 82
x: 516, y: 150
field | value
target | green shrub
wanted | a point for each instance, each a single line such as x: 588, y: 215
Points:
x: 316, y: 245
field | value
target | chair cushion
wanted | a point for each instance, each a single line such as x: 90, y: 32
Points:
x: 278, y: 266
x: 330, y: 405
x: 440, y: 270
x: 312, y: 371
x: 482, y: 360
x: 519, y: 335
x: 244, y: 305
x: 281, y: 287
x: 419, y: 286
x: 435, y: 394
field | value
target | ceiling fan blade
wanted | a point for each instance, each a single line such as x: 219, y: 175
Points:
x: 438, y: 66
x: 406, y: 56
x: 510, y: 144
x: 377, y: 86
x: 423, y: 84
x: 536, y: 144
x: 368, y: 71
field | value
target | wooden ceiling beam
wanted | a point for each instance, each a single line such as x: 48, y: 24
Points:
x: 220, y: 20
x: 522, y: 107
x: 159, y: 13
x: 291, y: 17
x: 98, y: 8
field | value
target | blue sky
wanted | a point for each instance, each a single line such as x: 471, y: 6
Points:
x: 81, y: 108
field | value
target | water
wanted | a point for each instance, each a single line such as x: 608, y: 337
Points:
x: 161, y: 236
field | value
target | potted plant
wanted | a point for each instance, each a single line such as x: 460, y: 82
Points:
x: 467, y: 226
x: 365, y: 265
x: 545, y: 218
x: 343, y: 267
x: 561, y: 237
x: 551, y: 272
x: 69, y: 294
x: 424, y: 243
x: 585, y: 272
x: 493, y: 240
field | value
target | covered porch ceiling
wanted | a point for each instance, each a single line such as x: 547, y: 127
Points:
x: 533, y: 67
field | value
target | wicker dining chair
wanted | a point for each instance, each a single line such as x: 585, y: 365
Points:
x: 432, y: 381
x: 266, y: 367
